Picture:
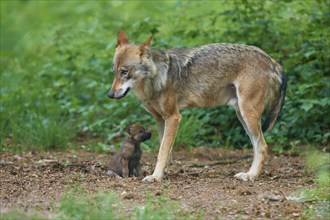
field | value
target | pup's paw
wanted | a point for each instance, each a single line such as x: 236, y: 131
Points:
x: 245, y: 176
x: 151, y: 179
x: 112, y: 174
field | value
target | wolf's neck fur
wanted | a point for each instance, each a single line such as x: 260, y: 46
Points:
x: 162, y: 66
x: 161, y: 60
x: 157, y: 62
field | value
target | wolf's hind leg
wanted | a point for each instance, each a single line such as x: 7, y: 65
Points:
x: 249, y: 113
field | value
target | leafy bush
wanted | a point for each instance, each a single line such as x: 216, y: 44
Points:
x: 56, y: 67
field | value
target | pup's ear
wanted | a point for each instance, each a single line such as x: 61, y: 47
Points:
x: 146, y: 44
x: 128, y: 131
x: 122, y: 38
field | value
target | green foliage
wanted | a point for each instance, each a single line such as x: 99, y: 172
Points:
x: 106, y: 205
x: 82, y: 206
x: 191, y: 130
x: 19, y: 215
x: 319, y: 163
x: 56, y: 67
x: 162, y: 208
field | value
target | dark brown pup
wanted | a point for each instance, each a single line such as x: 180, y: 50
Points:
x: 126, y: 162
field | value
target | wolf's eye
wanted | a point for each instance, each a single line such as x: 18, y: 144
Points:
x: 123, y: 72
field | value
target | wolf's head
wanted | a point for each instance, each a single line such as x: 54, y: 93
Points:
x: 131, y: 65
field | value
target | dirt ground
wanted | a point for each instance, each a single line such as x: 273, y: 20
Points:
x: 201, y: 179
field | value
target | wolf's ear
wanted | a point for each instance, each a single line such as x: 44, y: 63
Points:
x: 122, y: 38
x: 146, y: 44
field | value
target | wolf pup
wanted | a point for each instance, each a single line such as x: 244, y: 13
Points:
x: 165, y: 81
x: 126, y: 162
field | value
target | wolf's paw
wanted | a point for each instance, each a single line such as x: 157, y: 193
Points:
x: 245, y: 176
x: 151, y: 179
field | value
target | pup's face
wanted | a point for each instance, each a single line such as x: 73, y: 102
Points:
x: 138, y: 133
x: 129, y: 66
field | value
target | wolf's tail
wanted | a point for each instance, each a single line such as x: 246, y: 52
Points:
x: 277, y: 102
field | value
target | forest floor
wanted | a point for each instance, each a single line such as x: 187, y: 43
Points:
x: 201, y: 181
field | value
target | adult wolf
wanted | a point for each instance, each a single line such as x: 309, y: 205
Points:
x: 166, y: 81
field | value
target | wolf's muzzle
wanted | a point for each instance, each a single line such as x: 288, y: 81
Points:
x: 118, y: 95
x: 111, y: 95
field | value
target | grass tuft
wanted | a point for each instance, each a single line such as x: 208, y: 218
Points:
x: 107, y: 205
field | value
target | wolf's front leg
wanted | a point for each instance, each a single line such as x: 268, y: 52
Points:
x: 161, y: 127
x: 171, y: 126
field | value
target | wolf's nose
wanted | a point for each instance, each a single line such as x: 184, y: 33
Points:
x: 111, y: 95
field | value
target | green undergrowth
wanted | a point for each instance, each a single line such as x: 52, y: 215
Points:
x: 319, y: 163
x: 107, y: 205
x: 56, y: 69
